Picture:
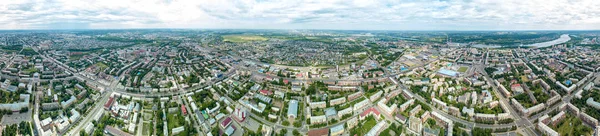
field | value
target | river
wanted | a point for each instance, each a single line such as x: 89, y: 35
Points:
x: 563, y: 39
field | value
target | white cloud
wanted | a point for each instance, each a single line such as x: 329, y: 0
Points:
x: 302, y: 14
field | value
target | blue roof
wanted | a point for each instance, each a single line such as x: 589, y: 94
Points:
x: 448, y: 72
x: 229, y: 131
x: 293, y: 108
x: 330, y: 111
x: 568, y: 82
x: 337, y: 128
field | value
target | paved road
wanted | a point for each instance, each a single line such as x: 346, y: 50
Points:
x: 519, y: 120
x: 98, y: 107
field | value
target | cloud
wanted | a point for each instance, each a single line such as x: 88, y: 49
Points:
x: 302, y: 14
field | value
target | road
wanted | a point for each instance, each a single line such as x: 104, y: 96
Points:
x: 525, y: 123
x: 99, y: 106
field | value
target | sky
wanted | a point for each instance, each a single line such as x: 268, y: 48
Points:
x: 302, y: 14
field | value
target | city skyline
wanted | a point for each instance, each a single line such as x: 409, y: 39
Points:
x: 336, y: 15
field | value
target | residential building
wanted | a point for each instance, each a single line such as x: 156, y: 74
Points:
x: 590, y: 102
x: 546, y: 130
x: 318, y: 119
x: 380, y: 126
x: 370, y: 111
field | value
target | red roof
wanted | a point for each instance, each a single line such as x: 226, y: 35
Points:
x: 109, y: 102
x: 226, y: 122
x: 266, y: 92
x: 371, y: 110
x: 285, y: 81
x: 319, y: 132
x: 183, y: 109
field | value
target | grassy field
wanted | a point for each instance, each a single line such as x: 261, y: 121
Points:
x: 31, y: 70
x: 572, y: 126
x: 370, y: 123
x: 101, y: 65
x: 463, y: 69
x: 524, y: 79
x: 174, y: 120
x: 76, y: 56
x: 146, y: 130
x: 243, y: 38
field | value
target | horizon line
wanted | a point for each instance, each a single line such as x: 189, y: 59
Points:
x: 408, y: 30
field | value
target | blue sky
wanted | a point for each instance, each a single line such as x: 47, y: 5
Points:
x: 303, y: 14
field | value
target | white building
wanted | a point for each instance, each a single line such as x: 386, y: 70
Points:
x: 546, y: 130
x: 380, y: 126
x: 318, y: 119
x: 590, y: 101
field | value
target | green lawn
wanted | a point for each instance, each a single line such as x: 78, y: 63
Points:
x: 524, y: 79
x: 572, y: 126
x: 174, y: 120
x: 76, y: 56
x: 524, y: 100
x: 318, y: 112
x: 369, y: 123
x: 463, y: 69
x: 101, y: 65
x: 243, y: 38
x: 31, y: 70
x: 146, y: 130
